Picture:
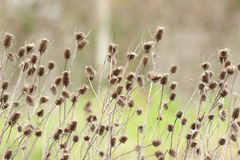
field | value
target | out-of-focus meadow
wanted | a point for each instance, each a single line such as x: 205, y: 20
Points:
x: 194, y: 30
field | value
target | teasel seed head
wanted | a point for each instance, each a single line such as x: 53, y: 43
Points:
x: 14, y: 117
x: 15, y: 104
x: 83, y: 89
x: 19, y: 128
x: 59, y: 101
x: 212, y: 85
x: 31, y: 71
x: 183, y: 121
x: 235, y: 113
x: 222, y: 141
x: 164, y: 79
x: 58, y: 80
x: 40, y: 113
x: 72, y: 126
x: 130, y: 103
x: 172, y: 152
x: 179, y: 114
x: 81, y: 44
x: 131, y: 56
x: 222, y: 114
x: 158, y: 153
x: 227, y: 63
x: 148, y: 46
x: 205, y: 66
x: 172, y: 96
x: 193, y: 144
x: 224, y: 92
x: 145, y: 60
x: 159, y: 33
x: 205, y: 78
x: 75, y: 138
x: 38, y: 133
x: 173, y: 69
x: 113, y: 80
x: 51, y: 65
x: 29, y: 100
x: 53, y: 89
x: 154, y: 77
x: 5, y: 85
x: 91, y: 73
x: 173, y: 85
x: 41, y: 71
x: 222, y: 75
x: 165, y: 105
x: 159, y: 117
x: 34, y: 59
x: 112, y: 48
x: 8, y: 154
x: 130, y: 76
x: 140, y: 81
x: 11, y: 57
x: 101, y: 129
x: 238, y: 67
x: 211, y: 117
x: 170, y: 127
x: 79, y: 36
x: 101, y: 153
x: 156, y: 142
x: 129, y: 85
x: 66, y: 94
x: 67, y: 53
x: 7, y: 40
x: 201, y: 86
x: 223, y: 55
x: 28, y: 130
x: 30, y: 47
x: 65, y: 78
x: 113, y: 141
x: 140, y: 128
x: 139, y: 111
x: 43, y: 46
x: 203, y: 98
x: 230, y: 70
x: 73, y: 98
x: 21, y: 52
x: 123, y: 139
x: 65, y: 156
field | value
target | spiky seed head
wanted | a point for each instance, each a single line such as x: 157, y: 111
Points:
x: 172, y: 152
x: 79, y: 36
x: 38, y: 133
x: 7, y: 40
x: 159, y: 33
x: 29, y: 100
x: 8, y: 154
x: 82, y: 44
x: 51, y: 65
x: 5, y: 85
x: 156, y: 142
x: 173, y: 69
x: 222, y: 141
x: 65, y: 78
x: 67, y: 53
x: 41, y: 71
x: 43, y: 46
x: 30, y: 47
x: 75, y: 138
x: 112, y: 48
x: 205, y: 66
x: 123, y: 139
x: 147, y: 47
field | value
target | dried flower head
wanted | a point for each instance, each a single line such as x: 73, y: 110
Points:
x: 123, y: 139
x: 112, y: 48
x: 173, y: 69
x: 51, y: 65
x: 81, y: 44
x: 14, y: 117
x: 30, y: 47
x: 79, y: 36
x: 159, y: 33
x: 8, y: 154
x: 43, y: 46
x: 223, y: 55
x: 156, y: 142
x: 131, y: 55
x: 7, y: 40
x: 65, y: 78
x: 148, y: 46
x: 67, y: 53
x: 91, y: 73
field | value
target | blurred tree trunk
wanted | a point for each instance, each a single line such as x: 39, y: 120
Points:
x: 103, y: 35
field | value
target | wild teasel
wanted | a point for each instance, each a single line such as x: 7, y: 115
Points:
x: 205, y: 66
x: 156, y: 142
x: 51, y: 65
x: 7, y: 40
x: 223, y: 55
x: 147, y: 46
x: 159, y: 33
x: 112, y: 48
x: 79, y: 36
x: 123, y: 139
x: 83, y: 89
x: 67, y: 53
x: 81, y: 44
x: 43, y: 46
x: 65, y: 78
x: 91, y: 73
x: 34, y: 59
x: 14, y: 117
x: 8, y: 154
x: 131, y: 56
x: 11, y: 57
x: 30, y: 48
